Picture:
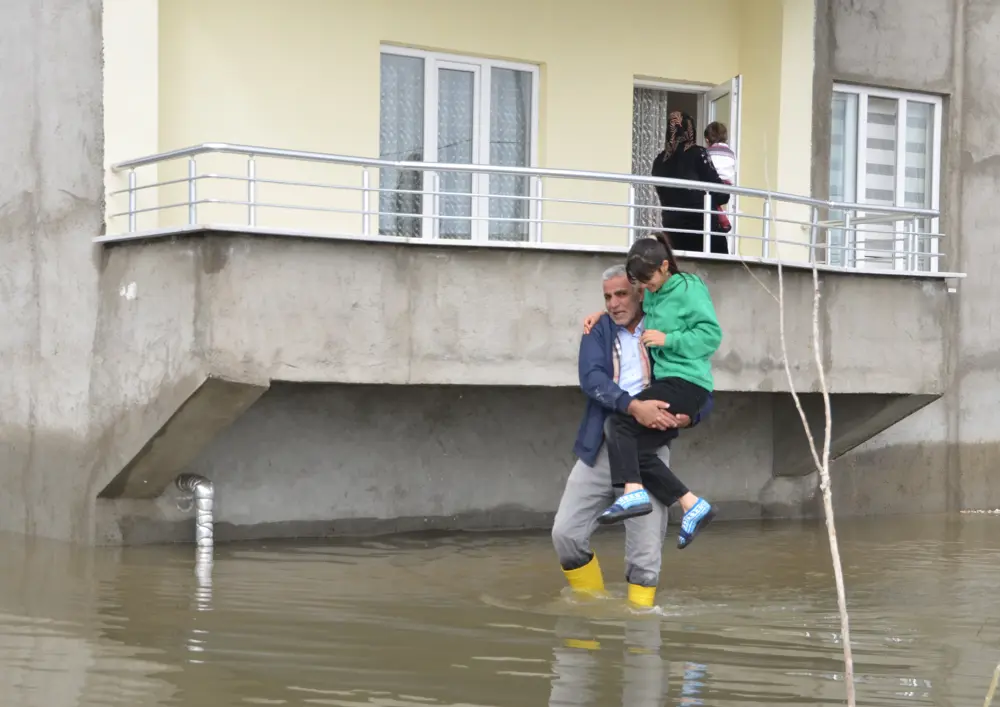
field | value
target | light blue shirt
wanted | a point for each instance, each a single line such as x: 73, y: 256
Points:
x: 630, y: 377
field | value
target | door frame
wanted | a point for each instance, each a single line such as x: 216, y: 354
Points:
x: 734, y: 87
x: 699, y: 89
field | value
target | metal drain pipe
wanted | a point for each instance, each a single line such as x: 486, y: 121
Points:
x: 203, y: 493
x: 204, y: 506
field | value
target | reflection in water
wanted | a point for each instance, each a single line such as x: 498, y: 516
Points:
x: 748, y: 617
x: 691, y: 687
x: 577, y: 668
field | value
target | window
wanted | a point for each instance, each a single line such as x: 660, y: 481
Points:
x: 885, y: 150
x: 441, y: 108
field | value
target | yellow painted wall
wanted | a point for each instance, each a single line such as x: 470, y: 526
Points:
x: 794, y: 174
x: 304, y: 74
x: 131, y: 97
x: 777, y: 118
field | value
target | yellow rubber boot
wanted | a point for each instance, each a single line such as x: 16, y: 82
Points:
x: 641, y: 596
x: 587, y: 579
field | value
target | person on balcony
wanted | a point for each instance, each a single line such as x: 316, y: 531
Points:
x: 614, y: 368
x: 723, y: 159
x: 683, y: 158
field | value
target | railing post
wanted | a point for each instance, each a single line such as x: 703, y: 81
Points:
x: 192, y: 192
x: 365, y: 203
x: 850, y: 253
x: 814, y: 234
x: 131, y: 201
x: 911, y: 244
x: 706, y: 223
x: 766, y: 249
x: 538, y: 209
x: 251, y: 192
x: 933, y: 244
x: 631, y: 215
x: 435, y: 204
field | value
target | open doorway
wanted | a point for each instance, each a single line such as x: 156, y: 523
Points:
x: 652, y: 103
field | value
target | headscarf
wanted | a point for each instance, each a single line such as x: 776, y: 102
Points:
x: 681, y: 133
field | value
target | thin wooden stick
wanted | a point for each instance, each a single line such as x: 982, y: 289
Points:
x: 993, y: 687
x: 822, y: 462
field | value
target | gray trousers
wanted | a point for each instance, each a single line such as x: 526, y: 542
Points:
x: 588, y: 492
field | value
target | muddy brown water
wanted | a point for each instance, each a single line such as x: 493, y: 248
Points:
x: 747, y: 616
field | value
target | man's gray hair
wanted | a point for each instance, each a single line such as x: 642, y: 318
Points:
x: 614, y: 271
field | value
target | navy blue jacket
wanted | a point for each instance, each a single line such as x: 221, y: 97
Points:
x: 603, y: 394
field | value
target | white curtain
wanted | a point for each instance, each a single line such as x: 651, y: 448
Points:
x: 880, y: 179
x: 919, y: 169
x: 843, y: 169
x: 401, y: 137
x: 456, y: 142
x: 649, y: 129
x: 510, y: 146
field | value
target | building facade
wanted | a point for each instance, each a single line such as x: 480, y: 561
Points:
x: 231, y: 249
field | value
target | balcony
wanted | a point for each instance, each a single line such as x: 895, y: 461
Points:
x: 237, y: 188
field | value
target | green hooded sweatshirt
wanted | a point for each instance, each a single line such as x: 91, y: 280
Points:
x: 682, y: 309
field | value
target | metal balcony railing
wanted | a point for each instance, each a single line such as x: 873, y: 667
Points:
x: 221, y: 186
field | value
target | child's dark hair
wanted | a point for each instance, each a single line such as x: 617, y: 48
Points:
x: 716, y: 132
x: 647, y: 255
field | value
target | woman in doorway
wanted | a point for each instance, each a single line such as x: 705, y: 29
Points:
x: 683, y: 158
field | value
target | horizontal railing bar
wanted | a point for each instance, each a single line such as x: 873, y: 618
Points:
x: 154, y: 185
x: 149, y: 209
x: 800, y: 244
x: 253, y: 151
x: 882, y: 235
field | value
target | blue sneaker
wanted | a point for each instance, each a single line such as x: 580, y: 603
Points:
x: 629, y: 505
x: 694, y: 521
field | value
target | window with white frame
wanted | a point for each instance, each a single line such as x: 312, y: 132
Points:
x: 458, y: 110
x: 885, y: 150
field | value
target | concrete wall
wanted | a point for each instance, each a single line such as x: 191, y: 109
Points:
x: 944, y: 457
x: 51, y: 194
x: 319, y: 460
x: 278, y: 308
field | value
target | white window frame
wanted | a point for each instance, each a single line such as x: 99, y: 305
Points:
x: 482, y: 68
x: 864, y: 93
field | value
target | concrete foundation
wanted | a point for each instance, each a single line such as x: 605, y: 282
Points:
x: 313, y: 460
x: 291, y: 309
x: 319, y: 460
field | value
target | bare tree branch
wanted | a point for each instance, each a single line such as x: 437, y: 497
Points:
x: 993, y: 687
x: 820, y: 459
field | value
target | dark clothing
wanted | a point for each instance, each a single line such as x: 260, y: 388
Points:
x: 692, y: 164
x: 597, y: 379
x: 632, y: 447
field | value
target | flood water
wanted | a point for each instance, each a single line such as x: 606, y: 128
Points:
x: 748, y: 617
